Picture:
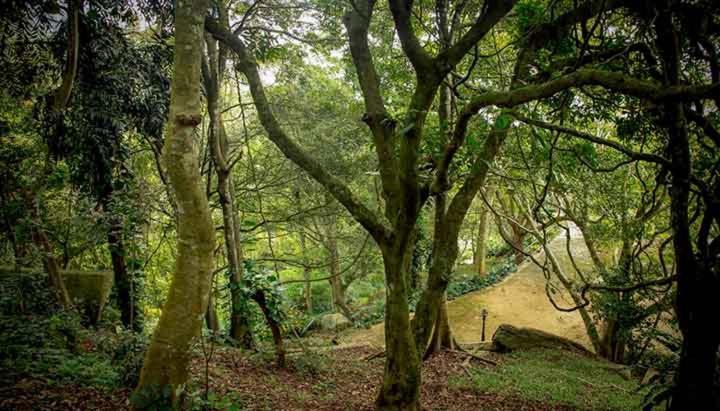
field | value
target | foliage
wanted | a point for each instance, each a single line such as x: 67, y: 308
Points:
x: 55, y: 348
x: 258, y: 279
x: 496, y: 274
x: 37, y: 340
x: 26, y: 293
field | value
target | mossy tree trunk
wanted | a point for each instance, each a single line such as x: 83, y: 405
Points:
x: 481, y: 246
x: 401, y: 381
x: 307, y: 286
x: 167, y: 357
x: 211, y: 318
x: 482, y: 235
x: 448, y: 221
x: 329, y: 239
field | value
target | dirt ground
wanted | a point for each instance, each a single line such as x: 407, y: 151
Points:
x: 344, y: 380
x: 519, y: 300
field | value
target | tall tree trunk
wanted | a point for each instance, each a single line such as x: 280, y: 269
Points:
x: 336, y: 287
x: 401, y: 381
x: 482, y: 237
x: 167, y: 357
x: 442, y: 337
x: 211, y: 317
x: 124, y: 284
x: 517, y: 239
x: 275, y: 328
x: 307, y: 286
x: 219, y: 150
x: 445, y: 240
x: 428, y: 316
x: 697, y: 285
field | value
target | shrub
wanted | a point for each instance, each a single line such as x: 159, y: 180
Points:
x: 128, y: 355
x: 497, y: 273
x: 311, y: 363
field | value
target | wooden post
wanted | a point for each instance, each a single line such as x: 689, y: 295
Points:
x: 484, y: 314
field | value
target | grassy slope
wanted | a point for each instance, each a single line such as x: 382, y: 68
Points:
x: 555, y: 377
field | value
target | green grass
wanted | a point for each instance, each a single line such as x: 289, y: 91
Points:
x: 557, y: 377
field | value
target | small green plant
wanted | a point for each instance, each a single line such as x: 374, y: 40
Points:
x: 200, y: 401
x: 127, y: 356
x: 311, y: 363
x: 90, y: 369
x: 497, y: 273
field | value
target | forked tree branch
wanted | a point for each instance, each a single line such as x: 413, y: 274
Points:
x: 373, y: 223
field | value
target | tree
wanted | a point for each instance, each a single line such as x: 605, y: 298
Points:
x: 214, y: 66
x: 166, y: 360
x: 397, y: 145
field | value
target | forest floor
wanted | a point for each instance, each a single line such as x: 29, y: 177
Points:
x: 347, y: 379
x: 519, y: 300
x: 347, y: 376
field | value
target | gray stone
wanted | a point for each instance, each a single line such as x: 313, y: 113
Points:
x: 334, y: 322
x: 509, y: 338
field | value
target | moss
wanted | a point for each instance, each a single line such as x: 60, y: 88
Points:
x: 89, y: 290
x: 560, y: 377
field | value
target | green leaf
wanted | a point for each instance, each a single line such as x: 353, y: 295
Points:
x: 503, y: 121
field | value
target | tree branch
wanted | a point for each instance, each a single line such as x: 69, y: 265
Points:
x: 376, y: 117
x: 589, y: 77
x: 495, y: 11
x: 635, y: 155
x: 367, y: 218
x: 421, y: 61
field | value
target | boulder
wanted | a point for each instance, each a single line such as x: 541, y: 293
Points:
x: 89, y: 290
x: 334, y: 322
x: 651, y: 375
x: 509, y: 338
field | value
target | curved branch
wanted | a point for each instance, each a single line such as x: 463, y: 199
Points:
x: 635, y: 155
x: 367, y: 218
x: 419, y: 58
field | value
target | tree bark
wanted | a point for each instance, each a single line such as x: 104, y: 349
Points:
x: 482, y: 237
x: 274, y: 326
x: 442, y: 337
x: 307, y: 286
x: 697, y: 285
x: 211, y: 317
x: 124, y: 284
x: 167, y: 357
x: 335, y: 279
x: 401, y: 381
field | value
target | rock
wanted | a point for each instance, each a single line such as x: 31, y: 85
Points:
x: 334, y: 322
x: 509, y: 338
x: 89, y: 290
x: 650, y: 375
